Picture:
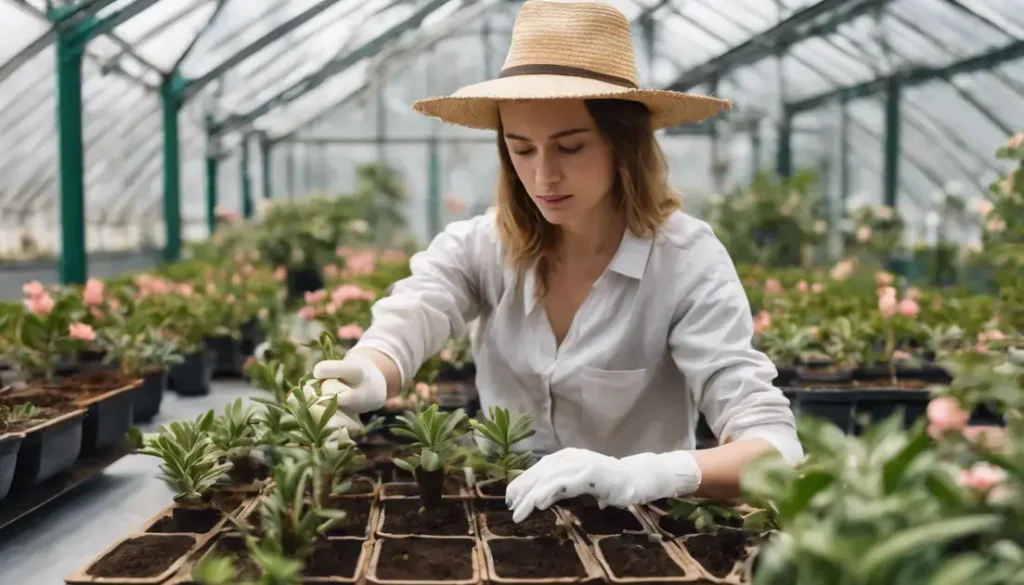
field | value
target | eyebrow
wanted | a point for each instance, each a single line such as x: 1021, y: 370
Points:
x: 561, y: 134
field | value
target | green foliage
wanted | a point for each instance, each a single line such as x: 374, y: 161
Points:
x: 707, y: 516
x: 435, y: 436
x: 190, y: 461
x: 37, y: 342
x: 234, y: 432
x: 503, y: 430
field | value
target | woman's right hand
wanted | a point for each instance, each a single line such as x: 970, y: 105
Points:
x: 357, y: 382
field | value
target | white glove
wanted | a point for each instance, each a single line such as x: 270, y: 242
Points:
x: 358, y: 383
x: 317, y: 402
x: 636, y: 479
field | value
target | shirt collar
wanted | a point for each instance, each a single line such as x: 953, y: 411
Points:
x: 630, y: 260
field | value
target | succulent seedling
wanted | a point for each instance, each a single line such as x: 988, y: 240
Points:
x: 435, y: 435
x: 503, y: 431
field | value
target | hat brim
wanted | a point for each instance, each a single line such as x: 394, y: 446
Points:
x: 476, y: 106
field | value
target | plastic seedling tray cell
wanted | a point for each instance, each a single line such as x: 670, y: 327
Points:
x: 417, y: 560
x: 722, y: 557
x: 642, y: 558
x: 407, y: 518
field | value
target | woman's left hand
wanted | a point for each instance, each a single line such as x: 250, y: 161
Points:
x: 613, y: 482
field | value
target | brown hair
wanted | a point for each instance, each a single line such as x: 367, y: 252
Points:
x: 641, y: 185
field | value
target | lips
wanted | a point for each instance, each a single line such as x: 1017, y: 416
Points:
x: 553, y: 198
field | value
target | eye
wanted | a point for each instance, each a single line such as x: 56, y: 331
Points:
x: 570, y: 149
x: 523, y: 152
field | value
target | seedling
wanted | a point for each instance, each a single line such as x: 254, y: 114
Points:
x: 706, y: 516
x: 276, y: 569
x: 15, y: 414
x: 234, y: 434
x: 503, y: 431
x: 191, y: 463
x: 435, y: 435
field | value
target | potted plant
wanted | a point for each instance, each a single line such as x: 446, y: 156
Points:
x: 501, y: 430
x: 192, y: 318
x: 234, y: 434
x: 786, y: 342
x: 192, y: 466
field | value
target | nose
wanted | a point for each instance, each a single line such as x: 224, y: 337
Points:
x: 549, y: 170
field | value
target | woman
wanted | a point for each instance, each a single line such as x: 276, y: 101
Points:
x: 604, y: 311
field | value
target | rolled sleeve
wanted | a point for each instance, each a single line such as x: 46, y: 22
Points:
x: 711, y: 344
x: 436, y: 302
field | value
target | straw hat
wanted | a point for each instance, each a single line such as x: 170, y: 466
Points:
x: 578, y: 50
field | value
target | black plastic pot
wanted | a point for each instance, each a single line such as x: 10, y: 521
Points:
x: 927, y: 372
x: 49, y: 449
x: 9, y: 446
x: 881, y: 403
x: 303, y: 280
x: 227, y: 355
x: 823, y: 376
x: 837, y: 406
x: 85, y: 361
x: 252, y: 335
x: 149, y: 396
x: 193, y: 376
x: 786, y: 376
x: 108, y: 419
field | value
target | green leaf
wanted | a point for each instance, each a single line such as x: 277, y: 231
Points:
x: 911, y: 541
x: 429, y: 460
x: 894, y: 469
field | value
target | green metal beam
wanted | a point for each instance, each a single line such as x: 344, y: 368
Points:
x: 434, y: 213
x: 912, y: 76
x: 247, y: 206
x: 170, y: 100
x: 195, y: 85
x: 73, y: 259
x: 212, y: 175
x: 331, y: 68
x: 107, y: 24
x: 266, y: 147
x: 817, y: 19
x: 784, y: 149
x: 893, y: 122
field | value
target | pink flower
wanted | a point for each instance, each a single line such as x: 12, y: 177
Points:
x: 802, y: 286
x: 313, y: 297
x: 350, y: 292
x: 185, y: 290
x: 96, y: 313
x: 395, y: 256
x: 211, y: 289
x: 92, y: 294
x: 901, y: 356
x: 360, y: 263
x: 394, y: 403
x: 815, y: 332
x: 248, y: 270
x: 995, y: 225
x: 908, y: 308
x: 350, y: 331
x: 817, y: 288
x: 945, y: 414
x: 280, y: 273
x: 912, y: 293
x: 887, y: 303
x: 81, y: 331
x: 883, y: 278
x: 307, y: 313
x: 863, y: 234
x: 772, y: 286
x: 229, y: 299
x: 40, y: 305
x: 331, y: 271
x: 446, y: 355
x: 33, y: 289
x: 982, y: 476
x: 1016, y: 141
x: 842, y: 270
x: 762, y: 322
x: 236, y: 279
x: 989, y: 335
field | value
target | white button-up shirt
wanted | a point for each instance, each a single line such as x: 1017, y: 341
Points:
x: 666, y: 333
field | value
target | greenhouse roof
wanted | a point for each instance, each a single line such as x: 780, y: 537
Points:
x: 289, y: 71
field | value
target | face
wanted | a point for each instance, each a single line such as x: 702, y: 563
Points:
x: 562, y: 159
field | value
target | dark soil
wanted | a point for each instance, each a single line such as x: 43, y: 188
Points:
x: 499, y: 521
x: 235, y: 549
x: 635, y: 555
x: 228, y: 501
x: 718, y: 553
x: 361, y: 485
x: 247, y: 470
x: 49, y: 405
x: 357, y: 516
x: 493, y: 489
x: 388, y: 471
x: 92, y: 382
x: 535, y: 558
x: 596, y: 521
x: 334, y: 558
x: 422, y: 559
x: 406, y: 517
x: 198, y: 521
x: 685, y: 526
x: 451, y: 488
x: 144, y: 556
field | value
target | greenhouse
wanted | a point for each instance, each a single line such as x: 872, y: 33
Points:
x: 511, y: 291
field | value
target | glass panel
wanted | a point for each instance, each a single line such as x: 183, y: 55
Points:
x: 17, y: 29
